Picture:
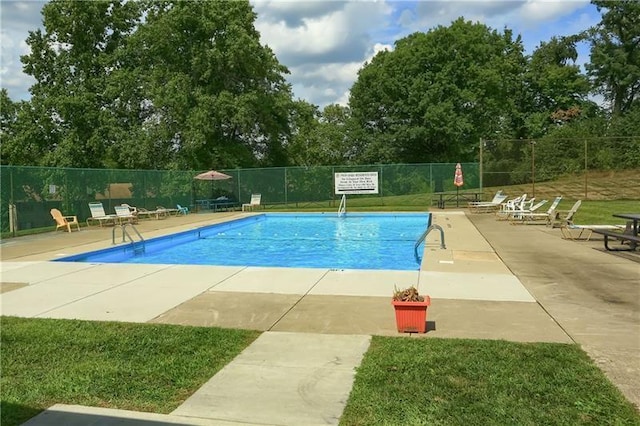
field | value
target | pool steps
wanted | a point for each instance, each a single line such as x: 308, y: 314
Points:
x: 137, y: 249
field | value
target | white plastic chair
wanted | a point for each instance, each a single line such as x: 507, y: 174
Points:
x: 98, y: 215
x: 255, y: 201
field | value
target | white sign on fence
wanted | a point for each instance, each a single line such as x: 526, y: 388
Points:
x: 356, y: 183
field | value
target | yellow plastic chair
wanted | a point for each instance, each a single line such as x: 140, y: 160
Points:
x: 64, y: 221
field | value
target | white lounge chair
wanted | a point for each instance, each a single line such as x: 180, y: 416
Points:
x: 98, y: 215
x: 540, y: 217
x: 499, y: 195
x: 255, y: 202
x: 488, y: 206
x: 509, y: 206
x: 564, y: 218
x: 125, y: 215
x: 584, y: 232
x: 166, y: 211
x: 529, y: 208
x: 132, y: 209
x: 159, y: 214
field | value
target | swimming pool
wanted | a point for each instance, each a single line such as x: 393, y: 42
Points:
x: 293, y: 240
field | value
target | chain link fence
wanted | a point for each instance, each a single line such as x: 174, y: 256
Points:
x: 29, y: 193
x: 587, y: 169
x: 576, y: 168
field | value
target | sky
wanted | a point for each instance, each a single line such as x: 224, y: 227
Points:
x: 324, y: 43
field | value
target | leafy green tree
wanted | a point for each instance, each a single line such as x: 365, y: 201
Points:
x: 216, y: 97
x: 557, y: 88
x: 8, y: 117
x: 339, y: 131
x: 72, y: 61
x: 437, y: 94
x: 615, y: 53
x: 304, y: 129
x: 321, y: 138
x: 26, y: 134
x: 8, y: 113
x: 156, y: 84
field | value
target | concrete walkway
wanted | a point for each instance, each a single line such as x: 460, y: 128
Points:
x: 494, y: 281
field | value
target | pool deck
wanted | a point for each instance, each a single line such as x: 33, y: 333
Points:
x: 493, y: 281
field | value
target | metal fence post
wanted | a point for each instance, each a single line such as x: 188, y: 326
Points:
x: 586, y: 170
x: 480, y: 162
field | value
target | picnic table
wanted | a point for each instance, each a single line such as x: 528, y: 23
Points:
x: 216, y: 204
x: 630, y: 235
x: 456, y: 196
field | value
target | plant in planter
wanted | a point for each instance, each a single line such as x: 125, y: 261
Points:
x: 411, y: 310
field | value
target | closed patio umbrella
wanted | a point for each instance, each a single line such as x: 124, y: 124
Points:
x: 458, y: 181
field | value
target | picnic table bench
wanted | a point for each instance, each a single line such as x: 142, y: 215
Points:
x: 216, y: 204
x: 631, y: 235
x: 443, y: 197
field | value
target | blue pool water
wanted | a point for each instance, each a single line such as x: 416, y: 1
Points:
x: 316, y: 240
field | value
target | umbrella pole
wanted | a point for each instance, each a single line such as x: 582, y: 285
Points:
x: 457, y: 196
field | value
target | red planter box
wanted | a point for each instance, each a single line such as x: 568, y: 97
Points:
x: 411, y: 317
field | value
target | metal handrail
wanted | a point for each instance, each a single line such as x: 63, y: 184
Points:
x: 424, y: 236
x: 342, y: 210
x: 126, y: 234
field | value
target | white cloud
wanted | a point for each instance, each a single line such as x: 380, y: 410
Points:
x: 325, y: 42
x: 536, y: 12
x: 319, y: 31
x: 17, y: 18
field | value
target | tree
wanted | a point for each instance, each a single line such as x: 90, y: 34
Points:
x: 615, y: 53
x: 26, y: 137
x: 321, y: 138
x: 437, y: 94
x: 8, y: 116
x: 157, y: 84
x: 72, y: 62
x: 304, y: 124
x: 216, y: 97
x: 558, y: 90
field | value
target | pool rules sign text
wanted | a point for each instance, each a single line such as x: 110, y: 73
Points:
x: 356, y: 183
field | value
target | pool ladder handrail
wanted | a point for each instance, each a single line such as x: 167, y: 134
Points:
x: 140, y: 248
x: 342, y: 210
x: 424, y: 236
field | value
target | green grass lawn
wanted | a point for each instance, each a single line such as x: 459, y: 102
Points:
x: 142, y: 367
x: 404, y: 381
x: 150, y: 367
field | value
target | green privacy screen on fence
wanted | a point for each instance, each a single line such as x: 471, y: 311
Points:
x: 34, y: 191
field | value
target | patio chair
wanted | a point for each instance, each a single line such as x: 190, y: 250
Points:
x: 487, y: 206
x: 564, y: 218
x: 540, y: 217
x: 125, y: 215
x: 255, y: 201
x: 142, y: 213
x: 518, y: 214
x: 132, y: 209
x: 182, y: 210
x: 509, y: 206
x: 496, y: 198
x: 584, y: 232
x: 98, y: 215
x: 165, y: 211
x: 64, y: 221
